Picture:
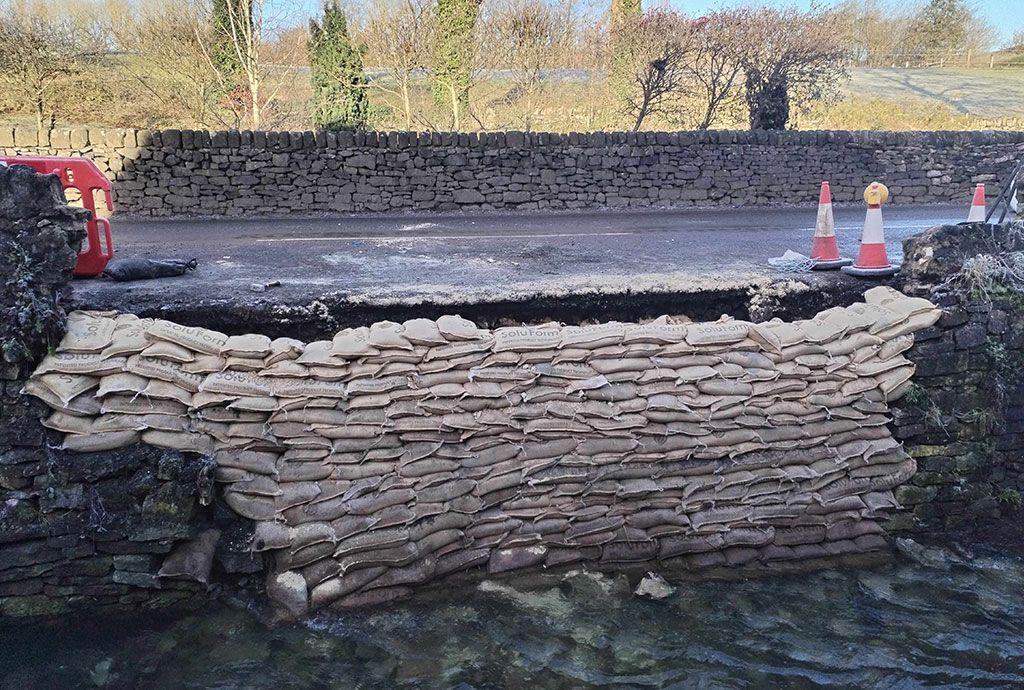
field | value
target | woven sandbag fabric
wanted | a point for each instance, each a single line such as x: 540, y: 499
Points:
x: 396, y: 454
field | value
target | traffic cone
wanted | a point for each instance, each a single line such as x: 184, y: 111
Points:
x: 873, y: 262
x: 825, y: 250
x: 977, y: 212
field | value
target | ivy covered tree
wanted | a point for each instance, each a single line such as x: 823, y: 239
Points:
x: 624, y: 11
x: 232, y: 22
x: 789, y: 59
x: 336, y: 72
x: 454, y: 51
x: 626, y: 18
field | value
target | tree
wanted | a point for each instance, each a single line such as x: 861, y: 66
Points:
x: 1017, y: 41
x: 454, y: 53
x: 623, y: 16
x: 167, y: 48
x: 626, y: 11
x: 527, y: 35
x: 940, y: 27
x: 38, y: 51
x: 398, y: 37
x: 231, y: 20
x: 235, y: 52
x: 875, y: 33
x: 336, y: 72
x: 789, y: 59
x: 649, y: 62
x: 713, y: 67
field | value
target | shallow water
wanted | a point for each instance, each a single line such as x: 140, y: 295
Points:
x: 902, y: 625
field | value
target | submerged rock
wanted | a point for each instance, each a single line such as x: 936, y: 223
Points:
x: 928, y: 556
x: 653, y: 586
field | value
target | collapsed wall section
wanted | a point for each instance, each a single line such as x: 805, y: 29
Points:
x: 396, y: 454
x: 182, y: 173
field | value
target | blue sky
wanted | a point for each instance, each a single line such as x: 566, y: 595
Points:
x: 1007, y: 16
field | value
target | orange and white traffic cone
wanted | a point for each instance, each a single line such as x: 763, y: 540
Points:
x: 873, y: 262
x: 825, y: 249
x: 977, y: 212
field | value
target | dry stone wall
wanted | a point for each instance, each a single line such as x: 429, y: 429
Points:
x: 396, y: 454
x: 82, y: 529
x: 181, y: 173
x: 963, y: 420
x: 74, y: 531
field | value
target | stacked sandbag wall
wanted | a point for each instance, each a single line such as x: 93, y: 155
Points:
x: 396, y: 454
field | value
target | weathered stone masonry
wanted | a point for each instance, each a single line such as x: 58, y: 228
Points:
x: 171, y: 172
x: 963, y: 420
x: 79, y: 530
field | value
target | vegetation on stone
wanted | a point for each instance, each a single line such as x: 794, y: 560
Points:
x: 962, y: 420
x: 39, y: 239
x: 76, y: 530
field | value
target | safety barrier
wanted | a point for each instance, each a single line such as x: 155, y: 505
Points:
x: 81, y: 175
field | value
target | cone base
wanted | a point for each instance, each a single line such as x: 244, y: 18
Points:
x: 864, y: 272
x: 830, y: 265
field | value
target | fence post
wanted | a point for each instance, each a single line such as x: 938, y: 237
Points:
x: 969, y: 57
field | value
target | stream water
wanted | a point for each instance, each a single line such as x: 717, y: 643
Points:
x: 902, y: 625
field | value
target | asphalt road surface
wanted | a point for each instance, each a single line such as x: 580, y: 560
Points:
x: 421, y: 257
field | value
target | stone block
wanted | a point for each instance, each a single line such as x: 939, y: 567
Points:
x: 909, y: 495
x: 135, y: 579
x: 26, y: 136
x: 467, y: 196
x: 172, y: 138
x: 971, y: 335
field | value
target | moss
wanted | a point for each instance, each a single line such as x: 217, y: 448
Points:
x: 32, y: 606
x: 1010, y: 497
x: 916, y: 395
x: 982, y: 419
x: 926, y: 451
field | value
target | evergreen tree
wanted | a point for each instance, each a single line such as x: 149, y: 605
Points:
x: 232, y: 22
x: 941, y: 26
x: 336, y: 72
x: 625, y: 16
x: 453, y: 54
x: 767, y: 101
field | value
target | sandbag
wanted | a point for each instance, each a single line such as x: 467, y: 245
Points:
x: 125, y: 270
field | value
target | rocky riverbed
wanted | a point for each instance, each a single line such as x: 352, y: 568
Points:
x: 934, y: 619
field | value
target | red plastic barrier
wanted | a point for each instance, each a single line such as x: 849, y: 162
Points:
x: 83, y: 175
